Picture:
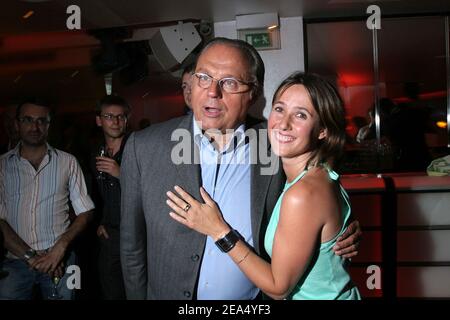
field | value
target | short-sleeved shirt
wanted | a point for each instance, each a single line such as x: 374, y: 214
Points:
x: 35, y: 203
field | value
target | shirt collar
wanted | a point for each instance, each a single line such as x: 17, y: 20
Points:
x: 16, y: 150
x: 237, y: 140
x: 122, y: 146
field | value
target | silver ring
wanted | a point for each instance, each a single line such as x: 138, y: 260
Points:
x: 186, y: 209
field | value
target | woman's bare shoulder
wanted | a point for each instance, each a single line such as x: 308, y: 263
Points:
x: 313, y: 191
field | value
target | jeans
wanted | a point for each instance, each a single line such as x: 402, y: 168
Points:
x: 18, y: 285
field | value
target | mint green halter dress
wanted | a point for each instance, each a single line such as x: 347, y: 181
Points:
x: 326, y: 278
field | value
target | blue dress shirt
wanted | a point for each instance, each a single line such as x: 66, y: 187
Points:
x: 226, y: 176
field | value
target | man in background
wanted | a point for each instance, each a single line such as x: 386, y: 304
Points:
x: 186, y: 80
x: 36, y: 183
x: 112, y: 117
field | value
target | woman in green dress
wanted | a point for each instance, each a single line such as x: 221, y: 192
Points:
x: 306, y: 129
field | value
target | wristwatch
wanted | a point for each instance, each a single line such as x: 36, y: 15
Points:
x: 30, y: 253
x: 228, y: 242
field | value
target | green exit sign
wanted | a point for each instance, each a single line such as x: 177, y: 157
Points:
x: 259, y: 40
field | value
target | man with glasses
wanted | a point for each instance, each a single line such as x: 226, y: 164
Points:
x: 161, y: 258
x: 112, y: 117
x: 36, y: 183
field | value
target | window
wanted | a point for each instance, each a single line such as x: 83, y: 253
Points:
x: 411, y: 86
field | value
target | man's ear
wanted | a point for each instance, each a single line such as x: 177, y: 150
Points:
x: 253, y: 96
x: 98, y: 121
x: 322, y: 134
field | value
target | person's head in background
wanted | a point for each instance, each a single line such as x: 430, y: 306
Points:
x: 228, y: 79
x: 186, y: 84
x: 112, y: 114
x: 11, y: 130
x: 33, y: 117
x: 307, y: 121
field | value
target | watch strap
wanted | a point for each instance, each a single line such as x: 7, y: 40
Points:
x: 30, y: 253
x: 228, y: 242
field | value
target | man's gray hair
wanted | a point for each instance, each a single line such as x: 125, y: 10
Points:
x: 253, y: 58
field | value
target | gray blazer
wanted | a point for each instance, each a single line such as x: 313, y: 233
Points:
x: 160, y: 257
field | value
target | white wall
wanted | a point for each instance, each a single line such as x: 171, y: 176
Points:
x: 279, y: 63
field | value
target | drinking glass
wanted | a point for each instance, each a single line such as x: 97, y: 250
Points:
x: 101, y: 153
x: 55, y: 293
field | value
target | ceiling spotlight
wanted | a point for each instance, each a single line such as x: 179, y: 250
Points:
x: 28, y: 14
x: 17, y: 79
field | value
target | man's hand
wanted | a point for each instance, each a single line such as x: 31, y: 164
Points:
x: 59, y: 272
x: 101, y: 232
x: 31, y: 262
x: 108, y: 165
x: 50, y: 262
x: 347, y: 244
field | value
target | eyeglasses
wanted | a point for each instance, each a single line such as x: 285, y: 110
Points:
x: 228, y: 84
x: 111, y: 117
x: 30, y: 120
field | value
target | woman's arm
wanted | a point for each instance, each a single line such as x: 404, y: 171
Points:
x: 297, y: 236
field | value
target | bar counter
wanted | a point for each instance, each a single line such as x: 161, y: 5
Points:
x: 405, y: 219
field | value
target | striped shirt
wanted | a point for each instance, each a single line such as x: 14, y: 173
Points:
x: 35, y: 203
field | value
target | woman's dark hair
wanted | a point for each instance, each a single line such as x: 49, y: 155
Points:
x: 330, y: 109
x: 253, y: 58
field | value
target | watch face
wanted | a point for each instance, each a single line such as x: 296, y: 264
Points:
x: 223, y: 245
x: 228, y: 242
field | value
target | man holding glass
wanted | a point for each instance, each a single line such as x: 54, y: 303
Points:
x: 36, y: 183
x: 112, y: 117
